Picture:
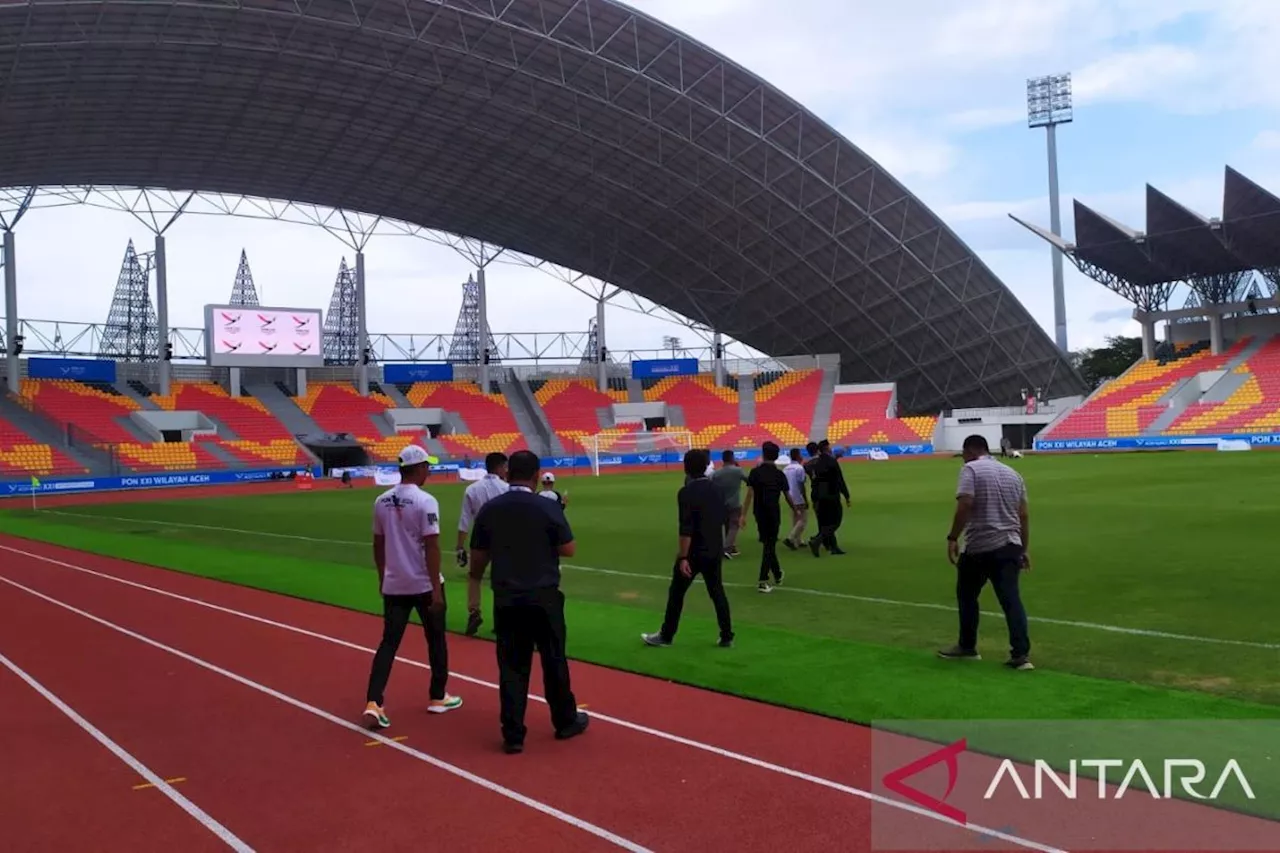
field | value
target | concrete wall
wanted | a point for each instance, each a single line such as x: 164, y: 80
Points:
x: 1233, y: 328
x: 409, y: 419
x: 632, y: 412
x: 189, y: 424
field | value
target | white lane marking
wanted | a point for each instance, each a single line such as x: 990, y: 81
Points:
x: 595, y: 715
x: 821, y: 593
x: 488, y: 785
x: 226, y: 835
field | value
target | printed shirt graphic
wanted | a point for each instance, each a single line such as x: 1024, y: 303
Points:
x: 476, y: 496
x: 405, y: 515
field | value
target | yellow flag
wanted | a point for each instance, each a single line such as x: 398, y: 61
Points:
x: 35, y: 482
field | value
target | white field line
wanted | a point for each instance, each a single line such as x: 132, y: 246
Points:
x: 226, y: 835
x: 821, y: 593
x: 482, y: 782
x: 617, y: 721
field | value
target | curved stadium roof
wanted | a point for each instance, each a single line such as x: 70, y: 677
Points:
x: 578, y: 131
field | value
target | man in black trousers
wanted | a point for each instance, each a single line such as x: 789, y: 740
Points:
x: 524, y: 536
x: 828, y: 489
x: 700, y: 551
x: 766, y: 486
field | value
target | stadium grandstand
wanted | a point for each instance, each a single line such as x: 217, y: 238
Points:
x: 657, y: 166
x: 1215, y: 377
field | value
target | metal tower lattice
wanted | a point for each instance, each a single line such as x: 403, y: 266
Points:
x: 132, y: 332
x: 591, y: 353
x: 243, y: 292
x: 466, y: 347
x: 342, y: 324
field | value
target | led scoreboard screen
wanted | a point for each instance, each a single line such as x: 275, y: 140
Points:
x: 248, y: 336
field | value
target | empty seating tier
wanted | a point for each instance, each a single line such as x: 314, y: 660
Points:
x: 862, y: 418
x: 572, y: 407
x: 23, y: 457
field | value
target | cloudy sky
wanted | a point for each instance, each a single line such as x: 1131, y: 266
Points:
x: 1166, y: 92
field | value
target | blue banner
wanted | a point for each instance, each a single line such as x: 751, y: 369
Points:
x: 407, y: 374
x: 1153, y: 442
x: 143, y: 481
x: 657, y: 368
x: 80, y: 369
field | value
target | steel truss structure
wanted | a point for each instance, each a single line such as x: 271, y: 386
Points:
x: 243, y: 291
x: 342, y: 323
x: 578, y: 132
x: 1215, y: 259
x: 470, y: 341
x: 132, y: 332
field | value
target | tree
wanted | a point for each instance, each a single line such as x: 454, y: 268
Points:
x: 1108, y: 362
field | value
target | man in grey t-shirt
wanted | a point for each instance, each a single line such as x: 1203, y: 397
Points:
x: 991, y: 511
x: 729, y: 479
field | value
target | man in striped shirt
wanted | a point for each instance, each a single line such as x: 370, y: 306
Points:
x: 476, y: 496
x: 991, y: 512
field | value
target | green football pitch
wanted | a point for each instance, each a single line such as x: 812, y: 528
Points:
x: 1154, y: 591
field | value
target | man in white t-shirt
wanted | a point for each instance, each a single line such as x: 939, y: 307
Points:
x: 476, y: 496
x: 796, y: 477
x: 406, y: 551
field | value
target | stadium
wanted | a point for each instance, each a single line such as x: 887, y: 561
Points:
x: 185, y: 587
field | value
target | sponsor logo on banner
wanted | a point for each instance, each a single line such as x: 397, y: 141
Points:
x: 301, y: 325
x: 268, y: 325
x: 231, y: 323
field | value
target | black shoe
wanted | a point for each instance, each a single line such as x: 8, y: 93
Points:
x: 655, y: 639
x: 791, y: 546
x: 959, y: 653
x: 816, y: 547
x: 511, y: 748
x: 836, y: 552
x: 578, y: 726
x: 778, y: 580
x: 725, y: 642
x: 1022, y: 664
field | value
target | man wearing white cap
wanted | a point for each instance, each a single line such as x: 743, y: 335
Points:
x: 406, y: 551
x: 549, y: 490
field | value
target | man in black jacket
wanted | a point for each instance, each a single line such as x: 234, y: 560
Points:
x: 700, y: 551
x: 828, y: 489
x: 525, y: 536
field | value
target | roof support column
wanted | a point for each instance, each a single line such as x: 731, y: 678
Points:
x: 1215, y: 331
x: 1148, y: 339
x: 362, y: 325
x: 602, y: 353
x: 717, y: 357
x: 12, y: 374
x: 482, y: 308
x: 164, y: 356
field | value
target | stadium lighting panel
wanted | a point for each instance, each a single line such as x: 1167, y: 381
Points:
x: 1049, y: 100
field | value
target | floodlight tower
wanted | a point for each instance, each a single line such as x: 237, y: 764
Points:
x: 1049, y: 105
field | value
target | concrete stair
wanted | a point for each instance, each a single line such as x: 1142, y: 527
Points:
x: 746, y: 400
x: 44, y: 431
x: 283, y: 409
x: 822, y: 409
x: 530, y: 419
x: 126, y: 390
x: 401, y: 401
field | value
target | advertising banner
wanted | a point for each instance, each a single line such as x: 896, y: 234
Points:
x: 80, y: 369
x: 407, y: 374
x: 659, y: 367
x: 141, y: 481
x: 1155, y: 442
x: 248, y: 336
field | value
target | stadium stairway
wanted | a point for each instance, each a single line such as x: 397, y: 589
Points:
x: 530, y: 418
x: 130, y: 391
x: 635, y: 391
x: 822, y: 408
x: 283, y: 409
x: 746, y: 403
x: 42, y: 432
x: 396, y: 396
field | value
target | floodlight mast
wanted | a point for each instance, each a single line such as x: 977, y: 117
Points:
x: 1049, y: 105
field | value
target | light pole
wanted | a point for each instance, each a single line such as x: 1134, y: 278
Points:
x: 1049, y: 105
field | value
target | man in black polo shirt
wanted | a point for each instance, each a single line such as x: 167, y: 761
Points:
x: 828, y: 489
x: 700, y: 550
x: 766, y: 486
x: 525, y: 536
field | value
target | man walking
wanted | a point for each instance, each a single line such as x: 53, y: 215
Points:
x: 699, y: 551
x: 828, y: 489
x: 766, y: 486
x: 524, y: 536
x: 796, y: 477
x: 729, y: 479
x: 406, y: 551
x: 477, y: 495
x: 991, y: 512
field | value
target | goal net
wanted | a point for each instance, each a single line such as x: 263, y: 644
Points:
x: 661, y: 447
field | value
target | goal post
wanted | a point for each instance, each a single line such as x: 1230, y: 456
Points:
x: 662, y: 446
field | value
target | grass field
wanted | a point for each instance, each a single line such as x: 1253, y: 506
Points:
x: 1129, y: 551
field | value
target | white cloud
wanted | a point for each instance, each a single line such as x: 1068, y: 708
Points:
x: 1267, y: 140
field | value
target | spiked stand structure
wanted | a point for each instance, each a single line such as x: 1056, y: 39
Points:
x: 243, y: 292
x: 132, y: 331
x: 591, y: 352
x: 466, y: 347
x: 342, y: 323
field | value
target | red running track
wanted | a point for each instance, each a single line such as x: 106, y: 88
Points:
x: 664, y: 767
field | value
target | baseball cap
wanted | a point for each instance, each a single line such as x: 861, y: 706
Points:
x: 413, y: 455
x: 548, y: 477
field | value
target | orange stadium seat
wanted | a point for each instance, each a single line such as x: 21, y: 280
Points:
x: 861, y: 418
x: 1254, y: 407
x: 571, y: 407
x: 21, y: 457
x: 492, y: 427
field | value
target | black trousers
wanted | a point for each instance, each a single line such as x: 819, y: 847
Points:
x: 395, y: 617
x: 830, y: 515
x: 769, y: 527
x: 712, y: 576
x: 1002, y: 568
x: 523, y: 624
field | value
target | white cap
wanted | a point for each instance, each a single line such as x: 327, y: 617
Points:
x: 548, y: 477
x: 413, y: 455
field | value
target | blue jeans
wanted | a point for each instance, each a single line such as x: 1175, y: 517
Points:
x: 1002, y: 568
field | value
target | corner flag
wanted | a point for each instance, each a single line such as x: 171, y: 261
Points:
x: 35, y: 482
